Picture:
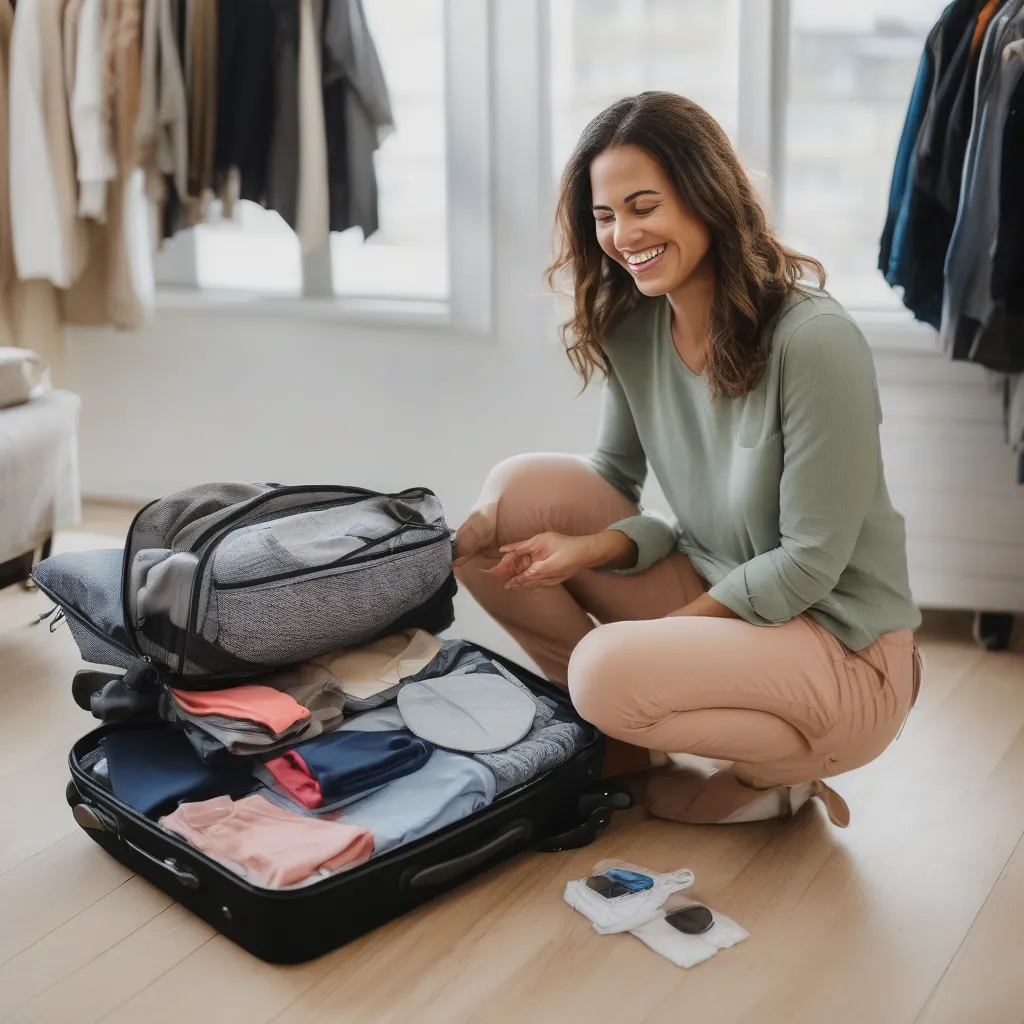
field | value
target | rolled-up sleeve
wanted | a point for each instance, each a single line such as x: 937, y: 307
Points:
x: 830, y: 420
x: 620, y: 459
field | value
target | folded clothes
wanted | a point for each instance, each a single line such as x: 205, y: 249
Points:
x: 553, y: 739
x: 295, y: 778
x: 152, y: 770
x: 263, y: 705
x: 371, y: 675
x: 213, y: 735
x: 446, y: 789
x: 347, y: 764
x: 268, y: 845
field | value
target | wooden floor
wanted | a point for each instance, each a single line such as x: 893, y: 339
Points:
x: 914, y: 913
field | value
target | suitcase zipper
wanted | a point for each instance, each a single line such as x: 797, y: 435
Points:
x: 83, y: 621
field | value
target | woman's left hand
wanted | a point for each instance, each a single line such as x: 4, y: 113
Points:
x: 546, y: 560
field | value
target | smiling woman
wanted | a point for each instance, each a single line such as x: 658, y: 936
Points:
x: 752, y: 394
x: 697, y: 201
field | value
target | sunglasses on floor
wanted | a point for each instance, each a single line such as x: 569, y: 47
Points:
x: 692, y: 920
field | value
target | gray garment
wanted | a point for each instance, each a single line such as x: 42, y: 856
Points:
x: 283, y: 168
x: 967, y: 297
x: 211, y: 735
x: 167, y: 591
x: 549, y: 744
x: 446, y: 789
x: 381, y: 720
x: 472, y: 712
x: 357, y: 112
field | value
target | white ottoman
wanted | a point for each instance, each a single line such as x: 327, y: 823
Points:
x: 39, y: 485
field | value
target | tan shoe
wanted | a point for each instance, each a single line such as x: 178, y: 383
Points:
x: 719, y: 798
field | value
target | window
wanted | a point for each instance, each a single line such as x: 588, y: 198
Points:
x: 823, y: 86
x: 407, y: 258
x: 602, y: 50
x: 852, y: 67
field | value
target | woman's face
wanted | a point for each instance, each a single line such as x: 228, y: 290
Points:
x: 642, y: 222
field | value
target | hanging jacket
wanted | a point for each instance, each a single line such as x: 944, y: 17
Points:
x: 245, y: 94
x: 923, y: 227
x: 358, y: 115
x: 282, y: 192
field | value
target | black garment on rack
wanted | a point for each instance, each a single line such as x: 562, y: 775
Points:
x: 1008, y: 259
x: 245, y: 93
x: 282, y: 188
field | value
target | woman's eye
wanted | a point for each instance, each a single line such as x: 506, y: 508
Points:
x: 606, y: 220
x: 646, y: 210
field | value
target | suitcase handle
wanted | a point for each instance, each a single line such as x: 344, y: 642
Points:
x: 170, y: 865
x: 437, y: 874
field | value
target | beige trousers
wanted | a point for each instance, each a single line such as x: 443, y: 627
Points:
x: 787, y: 703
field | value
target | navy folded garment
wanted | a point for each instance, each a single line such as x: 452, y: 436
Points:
x: 346, y: 764
x: 153, y: 770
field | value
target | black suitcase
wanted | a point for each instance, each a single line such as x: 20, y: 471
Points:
x: 562, y: 809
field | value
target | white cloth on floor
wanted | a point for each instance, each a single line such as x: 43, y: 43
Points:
x: 687, y: 950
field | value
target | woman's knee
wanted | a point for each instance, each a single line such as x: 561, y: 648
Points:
x: 530, y: 494
x: 599, y: 677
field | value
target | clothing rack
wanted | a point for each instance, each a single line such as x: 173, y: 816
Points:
x: 123, y: 122
x: 954, y: 235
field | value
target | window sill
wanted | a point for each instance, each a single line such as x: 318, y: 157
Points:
x: 384, y: 313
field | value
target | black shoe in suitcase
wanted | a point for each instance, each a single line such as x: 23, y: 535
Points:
x: 562, y: 809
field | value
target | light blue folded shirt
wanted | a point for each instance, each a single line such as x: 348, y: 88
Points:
x: 447, y: 788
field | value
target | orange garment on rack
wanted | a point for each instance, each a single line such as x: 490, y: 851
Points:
x: 985, y: 16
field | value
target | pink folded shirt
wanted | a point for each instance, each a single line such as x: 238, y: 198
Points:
x: 261, y: 704
x: 292, y: 772
x: 268, y: 844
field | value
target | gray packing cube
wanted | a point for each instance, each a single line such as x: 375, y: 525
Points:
x: 227, y: 580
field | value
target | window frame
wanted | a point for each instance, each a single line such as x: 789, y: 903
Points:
x: 469, y: 222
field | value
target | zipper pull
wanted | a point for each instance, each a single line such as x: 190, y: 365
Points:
x: 55, y: 622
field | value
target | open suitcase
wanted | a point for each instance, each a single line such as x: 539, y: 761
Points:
x: 560, y: 810
x: 347, y: 565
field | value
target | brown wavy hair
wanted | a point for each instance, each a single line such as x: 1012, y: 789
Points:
x: 754, y: 271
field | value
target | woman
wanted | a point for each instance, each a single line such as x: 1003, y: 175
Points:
x: 770, y: 625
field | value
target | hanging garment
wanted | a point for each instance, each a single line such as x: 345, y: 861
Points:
x: 93, y: 150
x: 117, y: 285
x: 201, y: 86
x: 958, y: 127
x: 358, y: 115
x: 313, y: 205
x: 283, y: 169
x: 923, y: 226
x: 245, y: 94
x: 45, y: 237
x: 968, y: 309
x: 72, y: 14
